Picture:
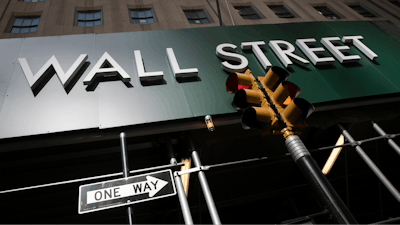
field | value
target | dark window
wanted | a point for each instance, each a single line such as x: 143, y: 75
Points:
x: 196, y: 16
x: 362, y: 11
x: 395, y: 2
x: 326, y: 12
x: 247, y: 12
x: 88, y: 18
x: 24, y: 24
x: 142, y: 16
x: 281, y: 11
x: 31, y: 0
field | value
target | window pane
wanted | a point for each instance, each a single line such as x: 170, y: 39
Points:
x: 134, y: 14
x: 255, y: 17
x: 89, y: 16
x: 143, y: 21
x: 33, y: 29
x: 27, y: 1
x: 151, y: 20
x: 188, y: 15
x: 25, y: 30
x: 97, y: 15
x: 195, y: 15
x: 35, y: 21
x: 148, y: 13
x: 201, y: 14
x: 97, y: 23
x: 15, y: 30
x: 89, y: 24
x: 34, y: 0
x: 141, y: 14
x: 197, y: 21
x: 81, y: 16
x: 205, y: 21
x: 135, y: 21
x: 81, y: 24
x: 27, y: 22
x: 18, y: 22
x: 192, y: 21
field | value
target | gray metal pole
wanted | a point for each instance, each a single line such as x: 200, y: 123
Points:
x: 187, y: 216
x: 390, y: 141
x: 206, y: 190
x: 320, y: 185
x: 125, y: 171
x: 371, y: 165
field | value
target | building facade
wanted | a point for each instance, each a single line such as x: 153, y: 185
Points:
x: 75, y: 74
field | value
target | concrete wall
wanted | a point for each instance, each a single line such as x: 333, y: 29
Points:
x: 58, y: 16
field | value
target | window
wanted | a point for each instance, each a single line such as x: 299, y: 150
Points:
x: 89, y: 18
x: 31, y: 0
x: 247, y: 12
x: 142, y: 16
x: 24, y: 24
x: 362, y: 11
x: 281, y: 11
x: 395, y: 2
x: 323, y: 10
x: 196, y: 16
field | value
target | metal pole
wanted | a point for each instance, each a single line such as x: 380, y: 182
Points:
x: 371, y: 165
x: 219, y: 14
x: 390, y: 141
x: 318, y: 182
x: 204, y: 185
x: 206, y: 190
x: 187, y: 216
x: 125, y: 171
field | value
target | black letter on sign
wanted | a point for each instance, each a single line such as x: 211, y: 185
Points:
x: 107, y: 193
x: 146, y: 186
x: 116, y: 192
x: 95, y: 195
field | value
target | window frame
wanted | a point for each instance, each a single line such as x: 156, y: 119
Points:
x: 330, y: 13
x: 285, y: 8
x: 77, y: 20
x: 153, y: 16
x: 247, y: 14
x: 11, y: 27
x: 185, y: 11
x: 367, y: 10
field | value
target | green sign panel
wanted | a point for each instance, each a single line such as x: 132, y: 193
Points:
x: 55, y: 84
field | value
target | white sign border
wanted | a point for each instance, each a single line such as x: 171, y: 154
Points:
x: 129, y: 203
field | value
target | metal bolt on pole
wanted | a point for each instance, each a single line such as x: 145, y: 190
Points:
x: 125, y: 171
x: 382, y: 133
x: 371, y: 165
x: 318, y: 182
x: 187, y: 216
x: 206, y: 190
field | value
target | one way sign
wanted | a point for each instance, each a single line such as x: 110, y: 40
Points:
x: 124, y: 191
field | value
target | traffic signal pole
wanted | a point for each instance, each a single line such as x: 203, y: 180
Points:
x: 125, y: 171
x: 318, y: 182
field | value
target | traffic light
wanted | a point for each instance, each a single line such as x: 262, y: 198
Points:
x: 273, y: 99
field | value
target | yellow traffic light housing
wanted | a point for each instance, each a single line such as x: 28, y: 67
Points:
x: 271, y: 100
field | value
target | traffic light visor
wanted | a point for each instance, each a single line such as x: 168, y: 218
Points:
x: 257, y: 117
x: 298, y: 110
x: 286, y: 92
x: 274, y: 76
x: 234, y: 80
x: 245, y: 98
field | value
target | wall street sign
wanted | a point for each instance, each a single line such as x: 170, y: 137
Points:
x: 125, y: 191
